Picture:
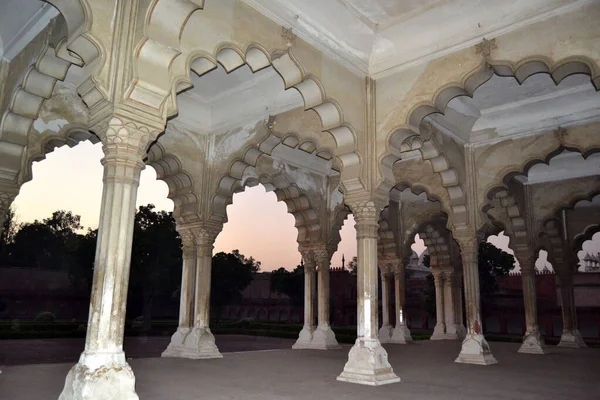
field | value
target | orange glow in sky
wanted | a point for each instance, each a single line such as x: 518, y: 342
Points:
x: 259, y: 226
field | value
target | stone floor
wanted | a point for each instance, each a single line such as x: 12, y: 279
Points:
x: 426, y: 368
x: 44, y: 351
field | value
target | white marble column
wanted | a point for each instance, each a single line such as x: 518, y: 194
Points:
x: 385, y: 332
x: 306, y: 334
x: 102, y: 372
x: 323, y: 337
x: 571, y: 337
x: 475, y: 349
x: 449, y: 298
x: 186, y: 299
x: 367, y: 361
x: 533, y: 343
x: 200, y: 342
x: 439, y: 332
x: 457, y: 286
x: 401, y: 333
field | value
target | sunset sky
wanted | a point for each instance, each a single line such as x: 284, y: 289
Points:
x: 259, y: 226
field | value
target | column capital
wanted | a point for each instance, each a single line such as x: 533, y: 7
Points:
x: 438, y: 274
x: 449, y: 273
x: 125, y: 135
x: 526, y: 258
x: 308, y: 256
x: 188, y: 243
x: 366, y: 211
x: 200, y: 235
x: 321, y: 252
x: 399, y: 269
x: 469, y: 244
x: 388, y: 263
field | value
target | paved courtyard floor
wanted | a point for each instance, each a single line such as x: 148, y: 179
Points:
x: 427, y: 370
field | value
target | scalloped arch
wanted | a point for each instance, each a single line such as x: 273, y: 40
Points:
x: 296, y: 200
x: 165, y: 25
x: 400, y: 140
x: 78, y: 48
x: 180, y: 183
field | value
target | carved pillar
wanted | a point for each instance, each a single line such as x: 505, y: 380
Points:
x: 367, y: 361
x: 385, y: 332
x: 200, y: 342
x: 449, y: 302
x: 533, y: 343
x: 401, y: 333
x: 323, y: 337
x: 457, y: 286
x: 439, y: 332
x: 188, y: 290
x: 475, y: 349
x: 571, y: 337
x: 306, y: 334
x: 102, y: 371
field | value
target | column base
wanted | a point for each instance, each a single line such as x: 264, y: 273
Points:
x: 323, y: 338
x: 475, y: 350
x: 572, y: 339
x: 385, y: 334
x: 100, y: 377
x: 461, y: 331
x: 439, y: 332
x: 451, y: 333
x: 176, y: 346
x: 401, y: 335
x: 304, y: 338
x: 368, y: 365
x: 199, y: 344
x: 533, y: 344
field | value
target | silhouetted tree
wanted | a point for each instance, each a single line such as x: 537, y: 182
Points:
x: 155, y: 258
x: 231, y: 274
x: 353, y: 265
x: 82, y: 252
x: 290, y: 283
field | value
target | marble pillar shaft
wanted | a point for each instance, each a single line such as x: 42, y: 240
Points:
x: 323, y: 291
x: 567, y: 302
x: 474, y: 349
x: 367, y: 360
x: 529, y: 296
x: 309, y: 294
x: 439, y: 298
x: 400, y: 295
x: 367, y: 307
x: 203, y: 280
x: 122, y: 169
x: 472, y: 293
x: 449, y: 313
x: 188, y: 282
x: 385, y: 299
x: 102, y: 371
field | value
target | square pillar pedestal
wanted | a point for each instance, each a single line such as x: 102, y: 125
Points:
x: 368, y: 365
